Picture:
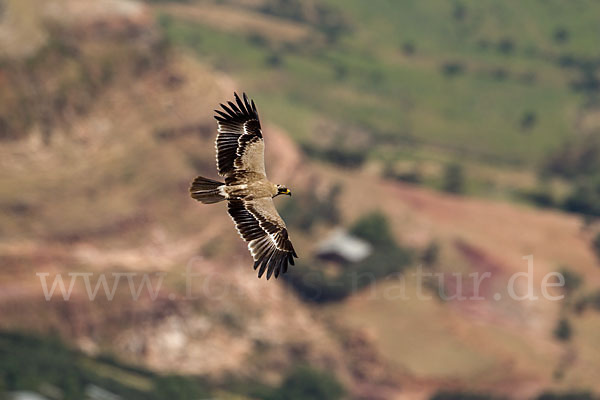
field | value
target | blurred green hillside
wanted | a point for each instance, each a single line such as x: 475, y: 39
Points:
x: 494, y: 82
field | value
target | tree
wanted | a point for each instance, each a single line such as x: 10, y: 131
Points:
x: 561, y: 35
x: 506, y: 46
x: 563, y: 330
x: 431, y: 253
x: 305, y: 383
x: 460, y: 12
x: 566, y: 396
x: 572, y: 280
x: 274, y: 60
x: 454, y: 179
x: 577, y: 158
x: 528, y: 120
x: 374, y: 228
x: 444, y: 395
x: 408, y: 48
x: 453, y: 68
x: 179, y: 387
x: 585, y: 198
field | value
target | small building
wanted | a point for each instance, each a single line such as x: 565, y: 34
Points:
x: 342, y: 247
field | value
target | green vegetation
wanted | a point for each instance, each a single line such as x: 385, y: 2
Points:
x: 305, y: 383
x: 541, y: 196
x: 313, y: 282
x: 324, y: 18
x: 585, y: 198
x: 29, y: 363
x: 178, y: 387
x: 444, y: 395
x: 528, y: 120
x: 454, y: 179
x: 409, y: 176
x: 336, y: 154
x: 33, y: 363
x: 566, y: 396
x: 375, y: 229
x: 464, y: 87
x: 168, y: 1
x: 464, y: 90
x: 302, y: 382
x: 572, y: 280
x: 544, y: 396
x: 304, y: 210
x: 578, y: 160
x: 431, y: 254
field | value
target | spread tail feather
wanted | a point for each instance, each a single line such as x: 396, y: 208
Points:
x: 207, y: 190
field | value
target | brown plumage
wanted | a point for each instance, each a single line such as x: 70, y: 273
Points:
x: 241, y: 161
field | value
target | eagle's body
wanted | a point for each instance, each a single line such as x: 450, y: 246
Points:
x: 256, y: 188
x: 240, y: 160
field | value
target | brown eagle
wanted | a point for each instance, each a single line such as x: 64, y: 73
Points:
x: 249, y: 194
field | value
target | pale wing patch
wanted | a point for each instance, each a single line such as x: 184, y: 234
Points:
x: 265, y: 209
x: 252, y: 157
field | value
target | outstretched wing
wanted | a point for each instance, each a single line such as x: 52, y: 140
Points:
x: 240, y: 145
x: 259, y: 224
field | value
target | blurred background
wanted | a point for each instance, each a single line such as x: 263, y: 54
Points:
x: 451, y: 137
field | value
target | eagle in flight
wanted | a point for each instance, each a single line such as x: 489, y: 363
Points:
x: 249, y: 194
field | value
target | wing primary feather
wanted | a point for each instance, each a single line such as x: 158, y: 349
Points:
x: 222, y: 114
x: 279, y: 270
x: 284, y: 265
x: 230, y: 112
x: 240, y: 104
x: 274, y: 263
x: 270, y: 261
x: 263, y: 265
x: 234, y: 108
x: 279, y: 265
x: 276, y: 271
x: 251, y: 108
x: 270, y: 271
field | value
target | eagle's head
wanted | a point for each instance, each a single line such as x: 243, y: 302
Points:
x: 282, y: 190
